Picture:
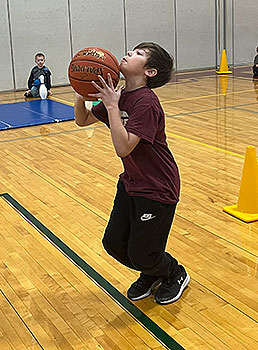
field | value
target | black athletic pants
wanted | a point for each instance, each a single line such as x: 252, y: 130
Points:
x: 137, y: 233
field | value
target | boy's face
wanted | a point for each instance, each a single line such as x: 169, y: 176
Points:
x: 40, y: 60
x: 134, y: 63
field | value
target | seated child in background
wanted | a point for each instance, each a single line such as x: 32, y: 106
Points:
x: 255, y: 66
x: 34, y: 78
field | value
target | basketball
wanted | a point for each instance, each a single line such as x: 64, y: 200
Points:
x: 85, y: 67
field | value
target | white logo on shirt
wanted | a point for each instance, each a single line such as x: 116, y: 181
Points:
x: 124, y: 117
x: 146, y: 217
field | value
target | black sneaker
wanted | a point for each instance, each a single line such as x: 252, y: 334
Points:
x: 27, y: 94
x: 143, y: 287
x: 172, y: 288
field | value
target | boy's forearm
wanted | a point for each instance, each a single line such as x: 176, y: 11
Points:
x: 80, y: 111
x: 120, y: 137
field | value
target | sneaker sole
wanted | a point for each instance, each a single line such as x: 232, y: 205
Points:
x: 145, y: 295
x: 184, y: 285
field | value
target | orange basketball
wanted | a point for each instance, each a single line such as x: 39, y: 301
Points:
x: 85, y: 67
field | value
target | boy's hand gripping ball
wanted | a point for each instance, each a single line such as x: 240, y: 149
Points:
x: 85, y: 67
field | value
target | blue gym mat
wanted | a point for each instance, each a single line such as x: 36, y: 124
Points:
x: 34, y: 112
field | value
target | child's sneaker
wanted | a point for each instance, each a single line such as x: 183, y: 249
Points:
x: 172, y: 288
x: 143, y: 287
x: 27, y: 94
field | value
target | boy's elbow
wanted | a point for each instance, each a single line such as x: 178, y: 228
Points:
x: 122, y: 153
x: 78, y: 123
x: 124, y: 150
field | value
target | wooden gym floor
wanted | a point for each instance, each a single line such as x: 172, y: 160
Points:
x: 60, y: 290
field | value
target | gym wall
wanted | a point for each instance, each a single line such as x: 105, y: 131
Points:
x: 193, y: 31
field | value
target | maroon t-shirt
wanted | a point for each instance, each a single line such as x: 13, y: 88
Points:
x: 150, y: 169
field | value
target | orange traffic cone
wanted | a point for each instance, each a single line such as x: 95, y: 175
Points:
x: 223, y: 68
x: 247, y: 205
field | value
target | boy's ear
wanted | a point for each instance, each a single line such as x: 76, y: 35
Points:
x: 151, y: 72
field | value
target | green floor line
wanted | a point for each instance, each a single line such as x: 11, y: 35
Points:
x: 144, y: 320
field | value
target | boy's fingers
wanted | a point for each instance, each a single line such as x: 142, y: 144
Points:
x: 108, y: 84
x: 95, y: 95
x: 104, y: 84
x: 110, y: 81
x: 121, y: 88
x: 96, y: 86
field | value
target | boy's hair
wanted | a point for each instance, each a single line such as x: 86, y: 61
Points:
x: 257, y: 49
x: 39, y: 54
x: 159, y: 59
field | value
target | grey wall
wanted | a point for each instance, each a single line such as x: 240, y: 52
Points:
x: 150, y: 20
x: 245, y: 30
x: 195, y: 34
x: 6, y: 81
x: 39, y: 26
x: 94, y: 24
x: 192, y: 30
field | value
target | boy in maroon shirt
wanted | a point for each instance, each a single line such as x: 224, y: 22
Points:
x: 148, y: 189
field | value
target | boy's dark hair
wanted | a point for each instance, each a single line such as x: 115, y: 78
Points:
x: 39, y: 54
x: 159, y: 59
x: 257, y: 49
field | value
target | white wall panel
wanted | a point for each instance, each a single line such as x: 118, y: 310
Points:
x: 150, y: 20
x: 245, y: 30
x: 229, y: 33
x: 195, y: 34
x: 98, y: 23
x: 40, y: 26
x: 6, y: 81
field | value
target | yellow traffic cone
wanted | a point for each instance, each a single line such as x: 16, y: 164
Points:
x: 223, y: 79
x: 247, y: 205
x: 223, y: 68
